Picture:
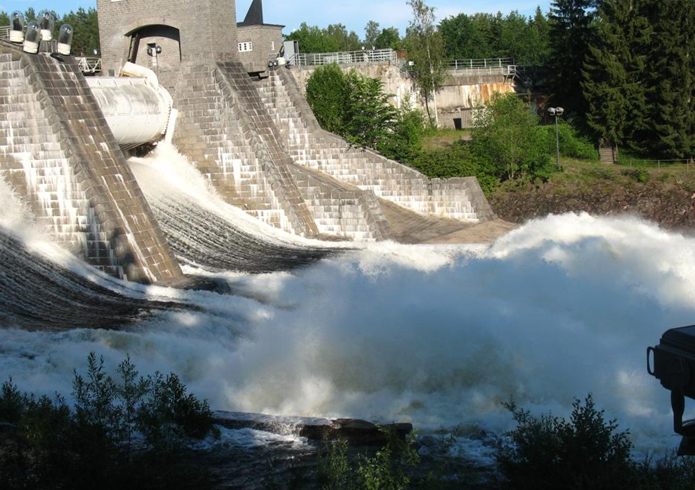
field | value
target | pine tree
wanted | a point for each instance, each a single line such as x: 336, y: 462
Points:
x: 672, y: 79
x: 571, y: 32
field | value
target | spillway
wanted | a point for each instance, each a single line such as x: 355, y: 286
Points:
x: 206, y: 232
x: 37, y: 293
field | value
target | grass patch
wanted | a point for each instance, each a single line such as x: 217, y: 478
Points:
x: 435, y: 139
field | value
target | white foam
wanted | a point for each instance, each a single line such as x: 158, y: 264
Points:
x: 560, y: 307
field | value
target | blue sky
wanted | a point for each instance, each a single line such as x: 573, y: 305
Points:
x: 354, y: 13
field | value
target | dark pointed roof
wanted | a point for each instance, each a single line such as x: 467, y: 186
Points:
x: 254, y: 16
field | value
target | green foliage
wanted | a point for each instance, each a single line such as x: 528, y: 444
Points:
x: 371, y: 33
x: 494, y: 36
x: 585, y: 452
x: 672, y: 79
x: 572, y: 145
x: 405, y: 143
x: 335, y: 37
x: 571, y: 33
x: 508, y: 139
x: 390, y: 468
x: 326, y: 92
x: 86, y: 31
x: 370, y: 119
x: 355, y: 107
x: 128, y: 433
x: 615, y: 72
x: 426, y: 50
x: 389, y: 37
x: 640, y: 175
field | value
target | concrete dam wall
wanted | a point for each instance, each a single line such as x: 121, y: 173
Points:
x: 58, y: 153
x: 251, y: 136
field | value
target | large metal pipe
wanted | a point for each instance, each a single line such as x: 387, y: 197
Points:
x: 137, y: 110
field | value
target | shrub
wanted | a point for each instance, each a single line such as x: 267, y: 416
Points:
x: 585, y: 452
x: 571, y: 144
x: 356, y: 107
x: 326, y: 92
x: 129, y: 433
x: 507, y: 138
x: 389, y: 468
x: 640, y: 175
x: 405, y: 144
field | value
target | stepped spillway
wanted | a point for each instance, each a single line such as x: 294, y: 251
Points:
x: 204, y: 231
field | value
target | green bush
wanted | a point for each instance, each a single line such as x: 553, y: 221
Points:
x: 356, y: 107
x: 585, y: 452
x: 125, y: 434
x: 405, y: 144
x: 326, y: 92
x: 390, y: 468
x: 571, y: 144
x: 508, y: 142
x: 640, y: 175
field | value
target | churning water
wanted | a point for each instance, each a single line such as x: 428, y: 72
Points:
x: 436, y: 335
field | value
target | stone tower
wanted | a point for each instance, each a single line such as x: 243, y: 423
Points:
x: 185, y: 30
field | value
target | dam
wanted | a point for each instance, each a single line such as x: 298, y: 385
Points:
x: 372, y: 328
x: 187, y: 73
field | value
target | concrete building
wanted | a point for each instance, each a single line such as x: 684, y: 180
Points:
x: 187, y: 31
x: 259, y: 42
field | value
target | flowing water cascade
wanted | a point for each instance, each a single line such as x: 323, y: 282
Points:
x: 44, y: 287
x: 206, y: 232
x: 436, y: 335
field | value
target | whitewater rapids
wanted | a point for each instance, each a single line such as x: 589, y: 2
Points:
x: 436, y: 335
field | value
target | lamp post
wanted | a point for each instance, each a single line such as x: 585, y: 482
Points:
x: 555, y: 112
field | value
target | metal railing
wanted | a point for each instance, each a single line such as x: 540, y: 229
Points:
x: 488, y: 66
x: 5, y: 32
x: 685, y: 163
x: 367, y: 56
x: 89, y: 65
x: 481, y: 63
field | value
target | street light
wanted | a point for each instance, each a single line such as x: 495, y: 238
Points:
x: 556, y: 111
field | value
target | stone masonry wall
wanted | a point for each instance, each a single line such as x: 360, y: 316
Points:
x: 208, y: 29
x: 58, y: 152
x: 266, y: 41
x: 224, y: 131
x: 337, y: 207
x: 340, y: 209
x: 309, y: 145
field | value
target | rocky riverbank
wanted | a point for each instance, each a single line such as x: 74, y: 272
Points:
x: 667, y: 198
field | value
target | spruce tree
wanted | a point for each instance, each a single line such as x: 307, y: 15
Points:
x: 571, y: 32
x: 614, y: 77
x: 672, y: 79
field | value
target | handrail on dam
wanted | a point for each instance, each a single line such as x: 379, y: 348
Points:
x: 489, y: 66
x: 366, y: 56
x: 89, y: 65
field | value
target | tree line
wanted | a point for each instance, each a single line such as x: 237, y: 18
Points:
x: 525, y: 39
x: 625, y: 71
x: 84, y: 22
